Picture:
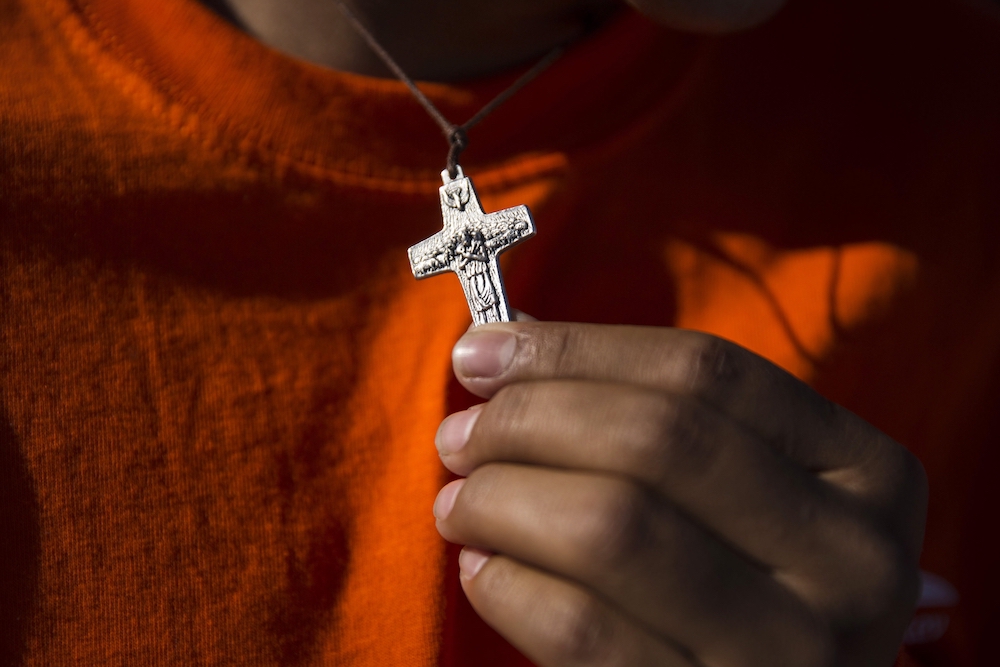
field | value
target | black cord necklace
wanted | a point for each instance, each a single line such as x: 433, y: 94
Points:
x: 457, y: 135
x: 472, y: 240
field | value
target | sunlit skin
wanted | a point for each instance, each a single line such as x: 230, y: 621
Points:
x: 643, y: 496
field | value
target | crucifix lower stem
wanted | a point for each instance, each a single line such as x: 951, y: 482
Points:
x: 470, y: 245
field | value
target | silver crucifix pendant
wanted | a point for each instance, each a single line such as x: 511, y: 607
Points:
x: 470, y: 245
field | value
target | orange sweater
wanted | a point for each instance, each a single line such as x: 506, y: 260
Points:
x: 220, y: 382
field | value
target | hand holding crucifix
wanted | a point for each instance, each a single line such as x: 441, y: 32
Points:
x: 646, y: 496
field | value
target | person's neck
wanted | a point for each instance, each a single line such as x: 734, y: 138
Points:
x: 431, y: 39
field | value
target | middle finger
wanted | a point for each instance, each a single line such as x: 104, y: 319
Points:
x: 712, y: 467
x: 647, y: 558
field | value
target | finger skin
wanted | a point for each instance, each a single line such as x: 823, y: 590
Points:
x: 648, y: 560
x: 559, y: 624
x: 877, y: 478
x: 690, y: 455
x: 747, y: 387
x: 783, y: 411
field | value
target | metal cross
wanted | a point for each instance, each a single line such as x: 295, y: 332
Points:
x: 470, y: 245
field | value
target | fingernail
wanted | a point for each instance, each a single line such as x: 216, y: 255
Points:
x: 446, y: 499
x: 484, y: 354
x: 471, y: 561
x: 454, y: 431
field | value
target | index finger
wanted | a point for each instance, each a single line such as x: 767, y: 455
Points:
x: 782, y: 410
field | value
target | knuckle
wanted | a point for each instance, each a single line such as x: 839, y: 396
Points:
x: 901, y: 495
x: 555, y: 346
x: 483, y: 487
x: 680, y: 450
x: 510, y: 407
x: 643, y: 432
x: 801, y: 637
x: 883, y: 579
x: 582, y: 633
x: 496, y: 584
x: 710, y: 366
x: 495, y: 581
x: 666, y: 442
x: 618, y: 526
x: 893, y: 580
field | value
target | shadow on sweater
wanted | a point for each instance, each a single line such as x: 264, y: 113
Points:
x: 19, y: 546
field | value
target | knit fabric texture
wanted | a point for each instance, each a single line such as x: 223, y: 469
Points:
x: 220, y: 382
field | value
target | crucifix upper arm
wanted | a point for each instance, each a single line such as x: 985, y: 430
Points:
x: 431, y: 256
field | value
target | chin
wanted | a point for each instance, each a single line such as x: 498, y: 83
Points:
x: 713, y: 16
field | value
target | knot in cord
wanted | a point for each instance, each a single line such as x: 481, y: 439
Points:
x: 458, y: 138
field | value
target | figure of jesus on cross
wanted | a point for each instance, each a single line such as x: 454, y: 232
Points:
x: 470, y: 245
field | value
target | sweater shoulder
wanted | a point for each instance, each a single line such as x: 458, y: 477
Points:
x: 73, y: 118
